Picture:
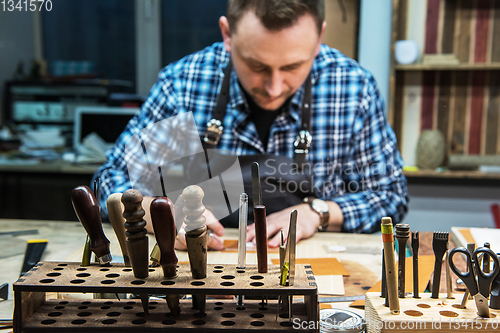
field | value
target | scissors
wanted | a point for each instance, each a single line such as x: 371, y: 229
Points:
x: 477, y: 281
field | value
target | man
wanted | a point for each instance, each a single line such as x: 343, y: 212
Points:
x: 277, y: 62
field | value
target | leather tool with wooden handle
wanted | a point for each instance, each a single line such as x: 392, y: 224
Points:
x: 89, y: 213
x: 115, y: 211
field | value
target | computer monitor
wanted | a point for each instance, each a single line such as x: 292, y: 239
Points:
x: 107, y: 122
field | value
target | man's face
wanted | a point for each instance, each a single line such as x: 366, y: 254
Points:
x: 271, y: 65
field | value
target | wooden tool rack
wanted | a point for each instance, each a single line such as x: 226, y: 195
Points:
x: 426, y: 314
x: 34, y: 313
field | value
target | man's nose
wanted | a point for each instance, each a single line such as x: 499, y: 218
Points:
x: 274, y: 84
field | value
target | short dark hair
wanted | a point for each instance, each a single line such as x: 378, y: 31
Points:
x: 276, y: 14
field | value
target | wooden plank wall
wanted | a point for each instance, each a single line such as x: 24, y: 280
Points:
x: 463, y: 105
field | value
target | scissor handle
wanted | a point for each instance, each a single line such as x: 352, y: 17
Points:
x: 469, y: 277
x: 484, y: 280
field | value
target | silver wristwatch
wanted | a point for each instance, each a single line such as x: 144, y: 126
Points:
x: 320, y: 207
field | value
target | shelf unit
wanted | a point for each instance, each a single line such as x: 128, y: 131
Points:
x: 462, y: 101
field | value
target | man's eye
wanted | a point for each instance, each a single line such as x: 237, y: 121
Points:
x: 290, y: 68
x: 258, y: 69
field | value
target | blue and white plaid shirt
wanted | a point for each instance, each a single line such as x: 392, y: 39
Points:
x: 353, y: 152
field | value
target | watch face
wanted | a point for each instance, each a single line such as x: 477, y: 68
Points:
x: 319, y: 205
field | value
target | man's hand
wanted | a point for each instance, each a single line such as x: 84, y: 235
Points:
x: 215, y: 230
x: 307, y: 224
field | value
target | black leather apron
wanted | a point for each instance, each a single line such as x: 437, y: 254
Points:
x: 280, y: 190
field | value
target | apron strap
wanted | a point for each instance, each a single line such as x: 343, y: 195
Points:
x: 304, y: 138
x: 214, y: 126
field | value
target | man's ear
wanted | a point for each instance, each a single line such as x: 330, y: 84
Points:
x: 226, y: 34
x: 320, y: 39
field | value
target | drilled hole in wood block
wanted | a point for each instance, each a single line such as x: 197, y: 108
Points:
x: 47, y: 281
x: 167, y: 283
x: 257, y: 315
x: 197, y: 283
x: 227, y: 323
x: 263, y: 308
x: 79, y: 322
x: 83, y: 275
x: 152, y: 307
x: 240, y: 308
x: 53, y: 274
x: 217, y: 270
x: 58, y: 268
x: 130, y: 303
x: 227, y: 277
x: 218, y: 308
x: 84, y: 314
x: 59, y: 307
x: 228, y: 315
x: 138, y: 282
x: 413, y: 313
x: 257, y: 284
x: 286, y: 323
x: 77, y: 281
x: 457, y: 306
x: 423, y: 305
x: 138, y: 322
x: 109, y: 321
x: 219, y: 267
x: 127, y: 269
x: 109, y: 281
x: 200, y: 315
x: 63, y: 302
x: 112, y: 275
x: 227, y: 283
x: 105, y: 307
x: 153, y: 303
x: 83, y: 307
x: 240, y: 271
x: 86, y: 303
x: 54, y: 314
x: 151, y: 269
x: 257, y: 323
x: 447, y: 313
x: 256, y: 277
x: 81, y: 269
x: 104, y: 269
x: 198, y: 322
x: 113, y: 314
x: 284, y: 315
x: 140, y: 314
x: 62, y: 265
x: 128, y: 307
x: 48, y: 322
x: 168, y: 322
